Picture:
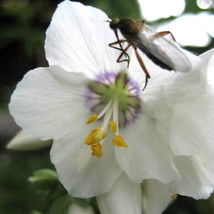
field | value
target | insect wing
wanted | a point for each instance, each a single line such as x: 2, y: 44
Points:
x: 164, y: 49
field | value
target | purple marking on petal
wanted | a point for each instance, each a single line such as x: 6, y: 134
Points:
x: 95, y: 103
x: 107, y: 77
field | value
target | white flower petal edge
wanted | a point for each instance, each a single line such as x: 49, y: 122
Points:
x: 124, y: 197
x: 78, y: 37
x: 195, y: 110
x: 156, y: 196
x: 24, y: 141
x: 48, y: 102
x: 209, y: 66
x: 82, y: 174
x: 197, y: 176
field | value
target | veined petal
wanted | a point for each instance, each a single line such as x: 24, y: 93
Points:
x: 196, y: 179
x: 147, y: 155
x: 48, y: 101
x: 197, y: 133
x: 189, y: 102
x: 156, y: 196
x: 78, y: 37
x: 82, y: 174
x: 124, y: 197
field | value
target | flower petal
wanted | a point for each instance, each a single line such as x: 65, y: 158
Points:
x: 189, y: 101
x: 209, y: 68
x: 77, y: 39
x: 192, y: 125
x: 48, y: 101
x: 156, y: 196
x: 195, y: 179
x: 82, y: 174
x: 23, y: 141
x: 124, y: 197
x: 147, y: 155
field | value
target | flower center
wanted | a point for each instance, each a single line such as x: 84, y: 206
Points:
x: 113, y: 99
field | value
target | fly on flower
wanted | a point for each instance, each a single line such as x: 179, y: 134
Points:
x: 160, y: 47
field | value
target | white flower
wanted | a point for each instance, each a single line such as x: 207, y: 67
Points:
x: 126, y: 196
x: 162, y: 135
x: 76, y: 209
x: 24, y: 141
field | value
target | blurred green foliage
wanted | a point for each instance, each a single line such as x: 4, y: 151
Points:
x: 22, y: 32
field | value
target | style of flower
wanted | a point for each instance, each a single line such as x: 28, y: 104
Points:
x: 108, y: 135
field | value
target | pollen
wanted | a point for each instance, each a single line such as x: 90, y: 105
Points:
x: 95, y: 136
x: 113, y: 126
x: 119, y: 141
x: 96, y: 150
x: 92, y: 118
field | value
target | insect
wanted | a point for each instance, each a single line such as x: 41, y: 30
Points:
x: 162, y: 50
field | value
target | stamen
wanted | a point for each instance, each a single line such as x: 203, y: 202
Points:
x: 96, y: 150
x: 119, y: 141
x: 90, y: 138
x: 107, y: 107
x: 92, y: 118
x: 95, y: 136
x: 113, y: 126
x: 100, y: 135
x: 114, y: 100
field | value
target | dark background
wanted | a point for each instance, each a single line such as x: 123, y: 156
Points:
x: 22, y: 32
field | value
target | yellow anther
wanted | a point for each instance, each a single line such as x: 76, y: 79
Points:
x: 90, y: 139
x: 119, y: 141
x: 92, y: 118
x: 113, y: 126
x: 100, y: 135
x: 95, y: 136
x: 96, y: 150
x: 174, y: 197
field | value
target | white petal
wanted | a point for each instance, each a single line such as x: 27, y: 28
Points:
x: 78, y: 39
x: 124, y: 198
x: 146, y: 156
x: 209, y: 72
x: 82, y: 174
x: 205, y: 57
x: 191, y: 102
x: 24, y: 141
x: 76, y: 209
x: 48, y: 101
x: 156, y: 196
x: 204, y: 167
x: 192, y: 125
x: 194, y: 182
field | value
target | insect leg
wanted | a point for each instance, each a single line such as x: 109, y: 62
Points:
x: 119, y: 42
x: 143, y: 67
x: 164, y: 33
x: 124, y: 53
x: 112, y: 45
x: 116, y: 34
